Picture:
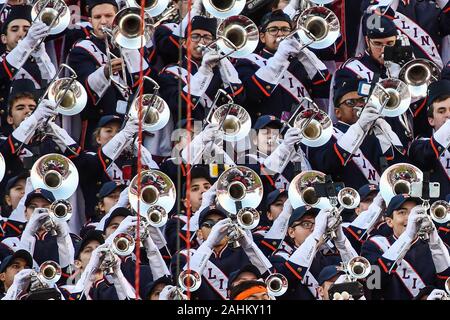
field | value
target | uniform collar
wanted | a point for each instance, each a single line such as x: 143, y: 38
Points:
x: 266, y: 53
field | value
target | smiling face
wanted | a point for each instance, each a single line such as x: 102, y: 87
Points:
x: 399, y: 219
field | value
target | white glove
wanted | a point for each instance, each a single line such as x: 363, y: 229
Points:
x: 442, y: 136
x: 39, y: 51
x: 321, y: 223
x: 132, y: 58
x: 168, y: 292
x: 287, y: 48
x: 37, y: 31
x: 436, y: 294
x: 368, y: 116
x: 209, y: 61
x: 292, y: 136
x: 367, y: 219
x: 121, y: 140
x: 37, y: 218
x: 131, y: 127
x: 414, y: 220
x: 124, y: 227
x: 61, y: 228
x: 197, y: 7
x: 280, y: 225
x: 218, y: 232
x: 292, y: 8
x: 386, y: 135
x: 60, y: 136
x: 21, y: 283
x: 146, y: 156
x: 228, y: 73
x: 210, y: 133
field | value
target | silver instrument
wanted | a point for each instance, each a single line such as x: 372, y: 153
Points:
x: 277, y: 284
x: 418, y: 74
x: 440, y: 211
x: 301, y: 191
x: 48, y: 275
x: 189, y: 280
x: 222, y: 9
x: 397, y: 179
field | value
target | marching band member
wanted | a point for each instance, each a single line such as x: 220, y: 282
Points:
x: 10, y: 267
x: 250, y: 290
x: 88, y: 59
x: 433, y: 154
x: 273, y: 80
x: 302, y: 260
x: 367, y: 160
x: 407, y: 262
x: 208, y: 74
x: 327, y: 277
x: 14, y: 191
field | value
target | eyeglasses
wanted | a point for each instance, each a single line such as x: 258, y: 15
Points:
x: 195, y: 37
x: 273, y: 31
x: 304, y: 224
x: 353, y: 102
x: 380, y: 45
x: 209, y: 224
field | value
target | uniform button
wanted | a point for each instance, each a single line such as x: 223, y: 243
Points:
x: 274, y: 243
x: 358, y: 232
x: 99, y: 183
x: 2, y: 111
x: 1, y: 100
x: 16, y: 144
x: 258, y: 114
x: 234, y: 88
x: 100, y: 111
x: 57, y: 148
x: 20, y: 226
x: 107, y: 160
x: 267, y: 87
x: 299, y: 269
x: 9, y: 171
x: 176, y: 78
x: 194, y: 99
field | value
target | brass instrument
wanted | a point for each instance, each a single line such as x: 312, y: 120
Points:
x: 440, y: 211
x: 189, y: 280
x: 56, y: 173
x: 391, y: 97
x: 397, y: 179
x: 277, y: 284
x: 301, y: 191
x: 48, y: 275
x: 222, y: 9
x: 61, y: 209
x: 418, y: 74
x: 358, y: 268
x: 248, y: 218
x: 123, y: 244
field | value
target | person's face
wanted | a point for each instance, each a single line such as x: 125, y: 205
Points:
x: 301, y: 229
x: 110, y: 200
x: 376, y: 47
x: 259, y: 296
x: 274, y: 30
x: 205, y: 230
x: 198, y: 187
x: 16, y: 266
x: 20, y: 109
x: 441, y: 113
x: 156, y: 291
x: 17, y: 30
x: 15, y: 194
x: 113, y: 225
x: 36, y: 202
x: 102, y: 15
x: 266, y: 139
x: 107, y: 132
x: 198, y: 37
x: 276, y: 208
x: 325, y: 287
x: 348, y: 107
x: 244, y: 276
x: 399, y: 219
x: 85, y: 255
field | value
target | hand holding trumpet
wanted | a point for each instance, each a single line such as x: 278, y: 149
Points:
x: 116, y: 66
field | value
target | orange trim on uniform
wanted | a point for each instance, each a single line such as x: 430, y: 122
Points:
x: 264, y: 242
x: 237, y: 92
x: 443, y: 229
x: 267, y: 175
x: 322, y: 80
x: 383, y: 265
x: 7, y: 69
x: 293, y: 271
x: 150, y: 57
x: 86, y: 32
x: 416, y: 113
x: 247, y: 293
x: 338, y: 154
x: 175, y: 42
x: 260, y: 86
x: 101, y: 159
x: 13, y: 227
x: 183, y: 170
x: 339, y: 45
x: 442, y: 277
x: 446, y: 10
x: 11, y: 144
x: 353, y: 234
x: 434, y: 148
x: 88, y: 89
x: 390, y: 158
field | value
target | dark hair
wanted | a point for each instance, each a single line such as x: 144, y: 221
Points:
x: 431, y: 107
x: 18, y: 96
x: 241, y: 287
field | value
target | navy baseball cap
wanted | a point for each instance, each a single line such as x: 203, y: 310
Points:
x: 151, y: 285
x: 40, y: 193
x: 327, y: 273
x: 208, y: 211
x: 118, y: 212
x: 276, y: 15
x: 438, y: 89
x: 23, y: 254
x: 92, y: 3
x: 108, y: 119
x: 300, y: 212
x: 11, y: 182
x: 247, y: 268
x: 91, y: 235
x: 367, y: 189
x: 21, y: 86
x: 342, y: 86
x: 108, y: 188
x: 265, y: 120
x: 274, y: 195
x: 397, y: 201
x: 378, y: 26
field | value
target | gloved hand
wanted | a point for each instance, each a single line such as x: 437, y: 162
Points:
x: 20, y: 284
x: 124, y: 227
x: 197, y: 7
x: 131, y: 127
x: 37, y: 31
x: 169, y: 292
x: 368, y: 116
x: 44, y: 110
x: 292, y: 136
x: 436, y: 294
x: 218, y: 232
x: 415, y: 218
x: 320, y: 224
x: 228, y: 73
x: 37, y: 218
x: 209, y: 196
x: 209, y: 61
x: 244, y: 239
x: 287, y: 48
x: 211, y: 133
x: 61, y: 228
x: 39, y: 51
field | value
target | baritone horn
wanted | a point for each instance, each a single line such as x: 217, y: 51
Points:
x: 239, y: 184
x: 277, y: 284
x: 234, y: 120
x: 152, y: 7
x: 440, y: 211
x: 301, y: 190
x: 157, y: 196
x: 397, y: 179
x: 418, y: 74
x: 155, y: 111
x: 56, y: 173
x: 61, y: 209
x: 222, y: 9
x: 189, y: 280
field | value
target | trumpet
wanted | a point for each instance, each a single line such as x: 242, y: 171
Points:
x: 301, y: 191
x: 397, y: 179
x: 56, y: 173
x: 440, y: 211
x: 48, y: 275
x: 156, y: 198
x: 418, y: 74
x: 108, y: 261
x: 189, y: 280
x: 315, y: 125
x: 61, y: 209
x: 277, y: 284
x: 123, y: 244
x: 155, y: 111
x: 316, y: 27
x: 239, y: 187
x: 248, y: 218
x: 358, y: 268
